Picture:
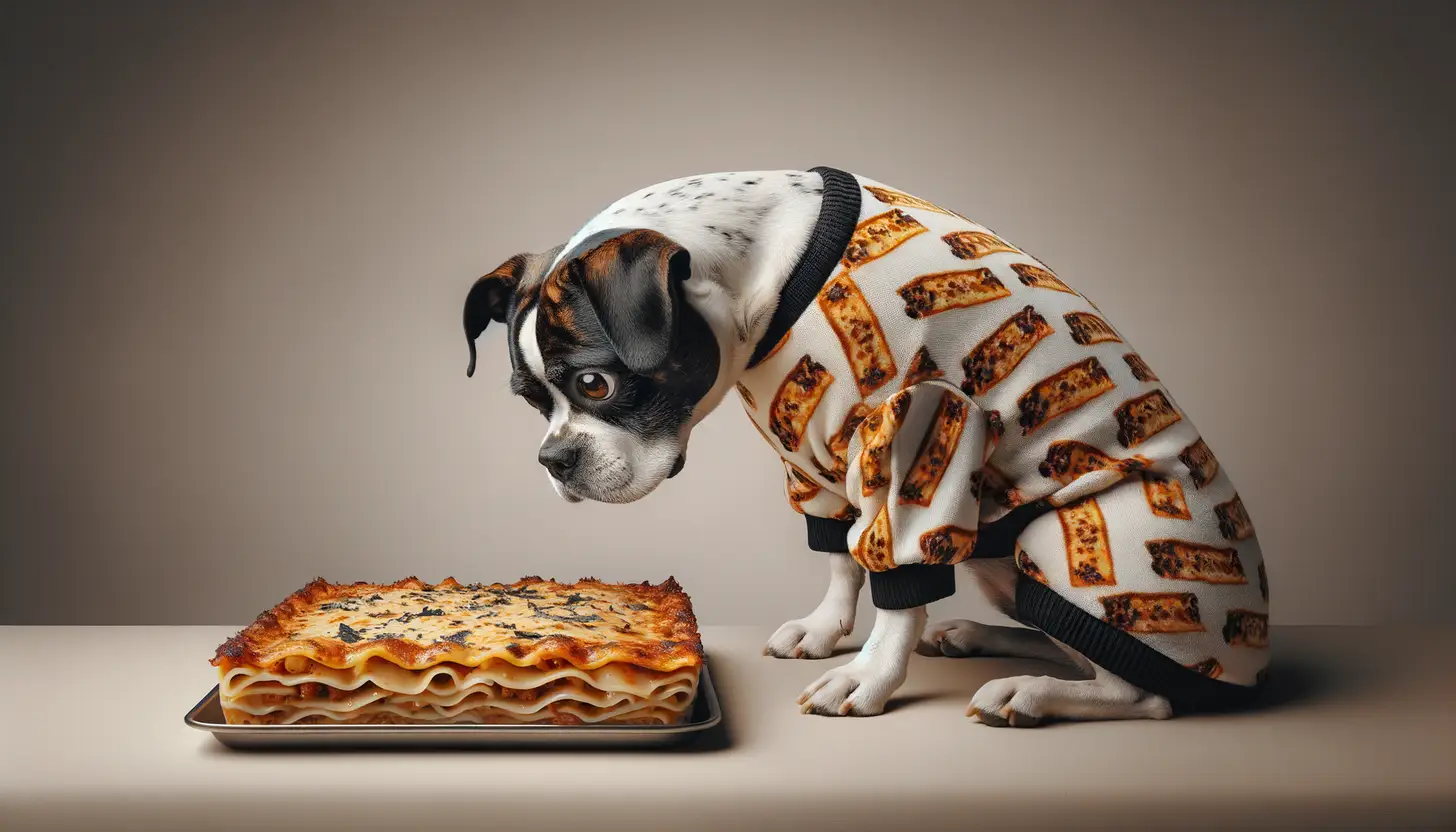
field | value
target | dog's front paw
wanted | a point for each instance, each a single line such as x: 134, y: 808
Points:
x: 813, y: 637
x: 854, y: 689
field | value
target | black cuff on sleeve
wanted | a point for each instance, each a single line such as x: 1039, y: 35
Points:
x: 827, y: 535
x: 912, y: 585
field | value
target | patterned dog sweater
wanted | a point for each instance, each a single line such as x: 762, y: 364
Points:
x: 937, y: 394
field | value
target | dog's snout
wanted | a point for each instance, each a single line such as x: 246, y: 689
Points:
x: 559, y: 459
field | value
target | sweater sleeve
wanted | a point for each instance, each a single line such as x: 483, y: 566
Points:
x: 828, y: 516
x: 913, y: 465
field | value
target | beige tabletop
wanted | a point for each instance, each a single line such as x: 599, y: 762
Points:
x: 1360, y: 732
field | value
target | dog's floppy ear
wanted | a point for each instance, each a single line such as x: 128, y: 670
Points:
x: 490, y: 300
x: 492, y: 296
x: 632, y: 281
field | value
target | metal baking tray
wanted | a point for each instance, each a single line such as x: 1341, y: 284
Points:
x: 707, y: 712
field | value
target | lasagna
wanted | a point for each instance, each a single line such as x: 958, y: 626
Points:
x: 535, y: 651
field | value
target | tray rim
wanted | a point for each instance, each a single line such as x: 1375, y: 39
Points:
x: 706, y: 692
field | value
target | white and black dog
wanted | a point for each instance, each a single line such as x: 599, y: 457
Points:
x: 1113, y: 532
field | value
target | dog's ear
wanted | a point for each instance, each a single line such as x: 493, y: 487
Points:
x: 632, y: 281
x: 492, y: 296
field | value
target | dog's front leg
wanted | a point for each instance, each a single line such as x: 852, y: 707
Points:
x: 815, y: 635
x: 865, y: 684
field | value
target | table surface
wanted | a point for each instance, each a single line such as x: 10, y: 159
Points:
x: 1359, y: 730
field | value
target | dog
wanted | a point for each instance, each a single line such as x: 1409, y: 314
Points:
x: 941, y: 401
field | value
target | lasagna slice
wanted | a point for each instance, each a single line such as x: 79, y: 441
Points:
x: 535, y: 651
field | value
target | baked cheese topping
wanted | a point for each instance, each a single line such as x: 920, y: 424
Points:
x: 530, y: 651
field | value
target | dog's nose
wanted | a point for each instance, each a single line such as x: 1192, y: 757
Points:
x: 559, y: 460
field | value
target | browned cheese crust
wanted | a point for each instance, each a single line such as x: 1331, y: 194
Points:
x: 1153, y: 612
x: 1233, y: 520
x: 932, y: 294
x: 1202, y: 464
x: 1141, y: 418
x: 859, y: 333
x: 947, y: 544
x: 1089, y: 554
x: 1184, y: 560
x: 794, y: 403
x: 1087, y: 328
x: 936, y: 450
x: 1000, y: 352
x: 879, y: 235
x: 646, y: 626
x: 1246, y: 628
x: 1062, y: 392
x: 1068, y: 459
x: 1039, y: 278
x: 1165, y: 496
x: 973, y: 245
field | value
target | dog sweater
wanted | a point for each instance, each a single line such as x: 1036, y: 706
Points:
x: 937, y: 393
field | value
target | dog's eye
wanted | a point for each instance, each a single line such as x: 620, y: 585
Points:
x: 596, y: 385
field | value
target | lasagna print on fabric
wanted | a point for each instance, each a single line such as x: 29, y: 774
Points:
x: 1039, y: 278
x: 973, y: 245
x: 1089, y: 554
x: 859, y: 334
x: 922, y: 368
x: 889, y: 196
x: 942, y: 378
x: 1062, y: 392
x: 932, y: 294
x: 796, y: 400
x: 1165, y: 497
x: 936, y: 449
x: 878, y: 236
x: 994, y: 358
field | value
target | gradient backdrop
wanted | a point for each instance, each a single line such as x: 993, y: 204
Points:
x: 237, y: 238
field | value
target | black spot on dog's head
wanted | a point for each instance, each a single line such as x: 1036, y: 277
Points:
x: 616, y: 307
x: 615, y: 357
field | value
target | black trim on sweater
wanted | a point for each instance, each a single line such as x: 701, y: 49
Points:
x: 912, y: 585
x: 1125, y: 656
x: 827, y: 535
x: 998, y: 539
x: 838, y: 216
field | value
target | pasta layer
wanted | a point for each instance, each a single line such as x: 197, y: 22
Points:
x: 533, y: 651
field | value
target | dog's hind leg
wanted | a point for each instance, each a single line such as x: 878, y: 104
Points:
x: 815, y: 635
x: 1027, y: 701
x: 960, y: 638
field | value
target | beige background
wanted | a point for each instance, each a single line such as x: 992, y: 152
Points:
x: 237, y: 239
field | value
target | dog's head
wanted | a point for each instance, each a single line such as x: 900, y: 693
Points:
x: 605, y: 347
